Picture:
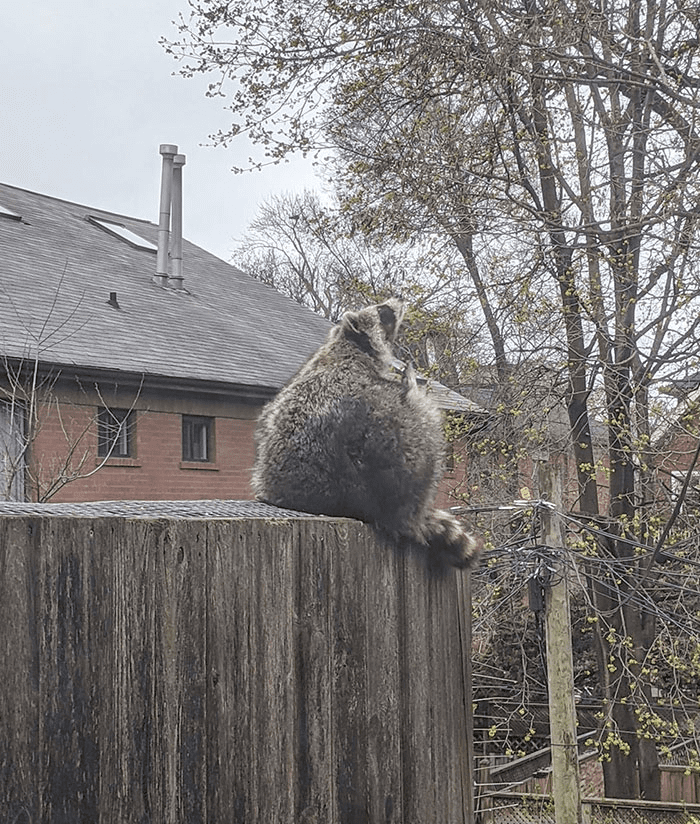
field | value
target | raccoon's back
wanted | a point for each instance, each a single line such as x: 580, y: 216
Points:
x: 347, y: 459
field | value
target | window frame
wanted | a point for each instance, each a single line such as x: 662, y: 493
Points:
x: 194, y: 450
x: 116, y: 424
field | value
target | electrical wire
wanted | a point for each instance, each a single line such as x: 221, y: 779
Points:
x: 522, y: 554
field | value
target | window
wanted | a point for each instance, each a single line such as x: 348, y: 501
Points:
x: 197, y: 438
x: 120, y: 231
x: 12, y: 452
x: 116, y: 433
x: 5, y: 212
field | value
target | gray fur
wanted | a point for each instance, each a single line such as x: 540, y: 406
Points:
x: 345, y: 438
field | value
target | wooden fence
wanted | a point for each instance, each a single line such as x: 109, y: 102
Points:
x: 225, y: 670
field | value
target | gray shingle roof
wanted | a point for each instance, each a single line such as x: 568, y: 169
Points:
x: 57, y: 270
x: 450, y: 400
x: 58, y: 267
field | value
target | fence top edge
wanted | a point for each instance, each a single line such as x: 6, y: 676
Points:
x: 672, y: 806
x: 182, y: 510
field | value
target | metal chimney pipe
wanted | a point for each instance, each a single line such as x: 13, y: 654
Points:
x: 168, y: 151
x: 176, y: 275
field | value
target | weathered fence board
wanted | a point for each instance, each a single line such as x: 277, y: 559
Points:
x: 245, y: 670
x: 384, y: 756
x: 19, y: 676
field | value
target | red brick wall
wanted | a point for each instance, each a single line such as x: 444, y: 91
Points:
x: 678, y: 453
x: 155, y: 473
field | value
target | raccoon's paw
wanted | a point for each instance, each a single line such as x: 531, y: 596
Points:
x: 409, y: 382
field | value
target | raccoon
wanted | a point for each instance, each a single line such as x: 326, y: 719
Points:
x: 346, y: 438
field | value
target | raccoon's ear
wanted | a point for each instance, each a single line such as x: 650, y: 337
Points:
x: 388, y: 319
x: 351, y: 328
x: 349, y: 321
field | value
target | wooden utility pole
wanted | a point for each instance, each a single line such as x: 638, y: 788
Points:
x: 566, y: 784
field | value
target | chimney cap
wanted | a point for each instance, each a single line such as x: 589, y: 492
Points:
x: 179, y: 160
x: 168, y: 149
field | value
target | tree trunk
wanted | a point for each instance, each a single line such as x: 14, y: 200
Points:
x: 465, y: 246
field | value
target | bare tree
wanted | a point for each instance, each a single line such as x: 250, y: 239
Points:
x: 25, y: 407
x: 313, y: 253
x: 300, y: 247
x: 31, y: 391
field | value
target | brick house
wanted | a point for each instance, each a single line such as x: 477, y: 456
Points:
x: 129, y: 373
x: 156, y: 381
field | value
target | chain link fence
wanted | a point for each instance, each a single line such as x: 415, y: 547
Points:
x: 512, y: 808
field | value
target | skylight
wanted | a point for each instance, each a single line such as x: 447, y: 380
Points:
x: 5, y: 212
x: 120, y: 231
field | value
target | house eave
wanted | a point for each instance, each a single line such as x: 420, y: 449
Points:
x: 110, y: 378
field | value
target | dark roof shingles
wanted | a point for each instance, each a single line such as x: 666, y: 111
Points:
x: 57, y: 271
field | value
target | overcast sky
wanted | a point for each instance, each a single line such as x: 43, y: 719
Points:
x: 87, y: 95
